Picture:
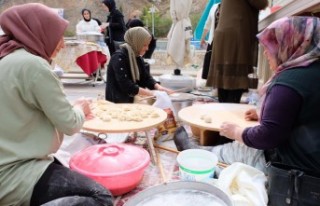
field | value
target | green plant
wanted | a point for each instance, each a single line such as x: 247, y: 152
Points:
x: 162, y: 24
x: 69, y: 33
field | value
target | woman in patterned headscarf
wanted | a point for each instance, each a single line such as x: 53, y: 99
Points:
x: 289, y: 121
x: 127, y: 75
x: 35, y: 114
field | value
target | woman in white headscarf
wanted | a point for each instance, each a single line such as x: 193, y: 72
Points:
x: 127, y: 75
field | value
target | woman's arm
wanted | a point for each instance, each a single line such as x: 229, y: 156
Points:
x: 280, y: 111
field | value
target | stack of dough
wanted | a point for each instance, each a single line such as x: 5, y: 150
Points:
x: 108, y: 111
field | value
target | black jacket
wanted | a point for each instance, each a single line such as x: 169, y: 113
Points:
x: 117, y: 27
x: 120, y: 87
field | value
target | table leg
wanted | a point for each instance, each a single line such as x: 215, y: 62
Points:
x: 151, y: 148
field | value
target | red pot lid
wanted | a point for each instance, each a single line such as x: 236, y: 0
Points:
x: 110, y: 160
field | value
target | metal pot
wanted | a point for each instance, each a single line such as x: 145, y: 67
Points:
x: 181, y: 100
x: 92, y: 37
x: 190, y: 193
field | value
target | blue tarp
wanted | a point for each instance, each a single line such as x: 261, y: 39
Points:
x: 199, y: 29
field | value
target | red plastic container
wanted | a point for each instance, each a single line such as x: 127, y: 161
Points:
x: 118, y: 167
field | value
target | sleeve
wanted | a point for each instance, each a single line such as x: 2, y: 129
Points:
x: 78, y: 28
x: 95, y: 25
x: 48, y: 96
x: 259, y: 4
x: 280, y: 111
x: 147, y: 81
x: 121, y: 69
x: 207, y: 24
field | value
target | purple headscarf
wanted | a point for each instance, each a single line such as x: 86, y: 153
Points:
x: 33, y: 26
x: 292, y: 41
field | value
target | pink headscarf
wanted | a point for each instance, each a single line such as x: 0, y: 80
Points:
x: 293, y: 41
x: 33, y: 26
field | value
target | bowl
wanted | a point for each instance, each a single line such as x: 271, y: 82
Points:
x: 180, y: 101
x: 90, y: 36
x: 196, y: 164
x: 181, y: 193
x: 118, y: 167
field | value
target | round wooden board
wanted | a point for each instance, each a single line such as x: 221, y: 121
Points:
x: 219, y: 112
x: 117, y: 126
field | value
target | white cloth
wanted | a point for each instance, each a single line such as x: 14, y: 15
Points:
x: 210, y: 22
x: 244, y: 184
x: 178, y: 48
x: 239, y: 152
x: 87, y: 26
x: 163, y: 101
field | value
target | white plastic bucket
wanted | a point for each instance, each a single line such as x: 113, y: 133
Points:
x: 196, y: 164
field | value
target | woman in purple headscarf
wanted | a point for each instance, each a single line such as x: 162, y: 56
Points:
x: 35, y: 114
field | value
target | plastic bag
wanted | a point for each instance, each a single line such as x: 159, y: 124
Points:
x: 166, y: 130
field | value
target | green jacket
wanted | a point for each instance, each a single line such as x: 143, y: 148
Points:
x: 34, y: 114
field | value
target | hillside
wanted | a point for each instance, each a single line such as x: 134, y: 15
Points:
x: 72, y: 8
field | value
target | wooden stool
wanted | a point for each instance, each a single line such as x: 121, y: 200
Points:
x: 208, y: 137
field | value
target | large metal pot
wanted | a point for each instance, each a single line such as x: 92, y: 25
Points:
x: 92, y: 36
x: 181, y: 100
x: 182, y: 193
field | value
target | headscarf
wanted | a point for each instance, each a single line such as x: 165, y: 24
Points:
x: 111, y: 4
x: 82, y: 12
x: 34, y: 27
x: 135, y: 39
x: 292, y: 41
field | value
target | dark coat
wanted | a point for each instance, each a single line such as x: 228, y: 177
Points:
x: 116, y: 29
x: 120, y: 87
x: 235, y: 44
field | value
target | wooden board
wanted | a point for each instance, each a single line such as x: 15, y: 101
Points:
x: 117, y: 126
x: 219, y: 112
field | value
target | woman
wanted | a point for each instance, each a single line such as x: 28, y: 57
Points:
x: 127, y: 75
x: 153, y: 43
x: 87, y: 24
x: 35, y: 114
x: 234, y: 51
x: 115, y: 26
x: 289, y: 117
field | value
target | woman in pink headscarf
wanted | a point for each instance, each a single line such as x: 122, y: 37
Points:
x: 35, y: 114
x: 289, y: 119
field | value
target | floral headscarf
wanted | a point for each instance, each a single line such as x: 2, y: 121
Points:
x: 292, y: 41
x: 33, y: 26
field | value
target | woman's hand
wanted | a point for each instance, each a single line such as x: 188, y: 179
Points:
x: 84, y: 105
x: 231, y: 131
x: 251, y: 115
x: 167, y: 90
